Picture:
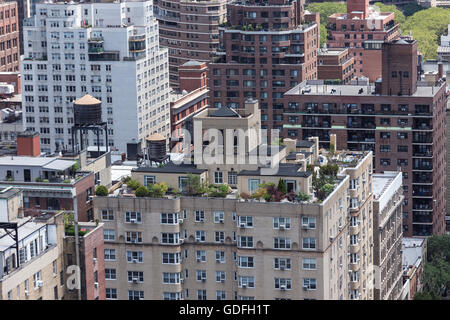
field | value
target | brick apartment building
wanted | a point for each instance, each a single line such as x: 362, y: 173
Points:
x: 401, y: 119
x: 265, y: 49
x: 9, y: 37
x: 190, y: 29
x: 363, y: 31
x: 187, y: 101
x: 335, y: 64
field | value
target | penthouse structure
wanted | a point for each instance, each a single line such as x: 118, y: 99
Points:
x: 190, y: 29
x: 238, y: 239
x: 335, y: 65
x: 400, y: 119
x: 31, y: 252
x: 107, y: 49
x: 9, y: 36
x: 362, y: 30
x: 265, y: 48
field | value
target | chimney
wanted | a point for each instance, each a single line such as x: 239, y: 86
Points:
x: 360, y: 6
x: 28, y: 144
x: 316, y: 147
x: 440, y: 70
x: 192, y: 75
x: 300, y: 159
x: 291, y: 145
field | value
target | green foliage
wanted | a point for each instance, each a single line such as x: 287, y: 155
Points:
x: 399, y: 16
x: 194, y: 186
x: 310, y: 167
x: 303, y: 196
x: 425, y: 295
x: 70, y: 231
x: 329, y: 170
x: 38, y: 179
x: 323, y: 184
x: 436, y: 275
x: 220, y: 191
x: 332, y: 148
x: 142, y: 191
x: 427, y: 26
x: 410, y: 8
x: 101, y: 191
x: 133, y: 184
x: 282, y: 186
x: 75, y: 167
x: 326, y: 9
x: 158, y: 190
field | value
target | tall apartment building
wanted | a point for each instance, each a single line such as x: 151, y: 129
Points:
x: 387, y: 235
x: 229, y: 247
x: 190, y: 29
x: 32, y: 267
x: 444, y: 49
x: 265, y: 48
x: 109, y: 50
x: 362, y: 30
x: 9, y: 37
x: 401, y: 119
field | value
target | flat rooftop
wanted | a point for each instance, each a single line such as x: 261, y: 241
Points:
x: 26, y: 227
x: 47, y: 163
x: 381, y: 182
x: 318, y: 88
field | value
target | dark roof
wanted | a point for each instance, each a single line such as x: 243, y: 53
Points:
x: 304, y: 144
x: 8, y: 192
x: 224, y: 112
x: 284, y: 170
x: 172, y: 168
x: 293, y: 155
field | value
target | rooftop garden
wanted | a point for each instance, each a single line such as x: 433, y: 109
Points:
x: 69, y: 226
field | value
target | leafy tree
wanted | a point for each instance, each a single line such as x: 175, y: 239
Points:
x: 438, y: 247
x: 142, y: 191
x: 219, y: 191
x: 425, y: 295
x: 426, y: 27
x: 399, y: 16
x: 133, y: 184
x: 410, y: 8
x: 101, y: 191
x: 282, y: 186
x: 303, y: 196
x: 194, y: 186
x: 158, y: 190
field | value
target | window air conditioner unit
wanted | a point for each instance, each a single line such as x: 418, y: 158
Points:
x: 222, y: 280
x: 282, y: 267
x: 282, y: 227
x: 181, y: 280
x: 242, y: 225
x: 133, y: 221
x: 282, y: 287
x: 203, y: 279
x: 244, y: 285
x: 221, y: 221
x: 181, y: 241
x: 96, y: 284
x: 135, y: 260
x: 95, y: 260
x: 305, y: 288
x: 180, y: 221
x: 40, y: 283
x: 26, y: 293
x: 135, y: 280
x: 305, y: 226
x: 218, y: 260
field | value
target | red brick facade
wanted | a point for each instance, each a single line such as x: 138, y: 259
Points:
x: 9, y: 37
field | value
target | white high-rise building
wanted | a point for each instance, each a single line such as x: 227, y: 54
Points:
x: 109, y: 50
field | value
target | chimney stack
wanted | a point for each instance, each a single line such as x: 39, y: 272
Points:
x: 192, y: 75
x: 28, y: 144
x: 440, y: 70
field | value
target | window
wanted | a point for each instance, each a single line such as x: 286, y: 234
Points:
x: 149, y: 180
x: 246, y: 282
x: 221, y: 295
x: 135, y: 295
x: 200, y: 236
x: 133, y: 237
x: 245, y: 222
x: 232, y: 177
x: 282, y: 263
x: 281, y: 243
x: 309, y: 283
x: 283, y: 283
x: 201, y: 295
x: 220, y: 276
x: 111, y: 293
x: 309, y: 263
x: 219, y: 216
x: 171, y: 257
x: 201, y: 255
x: 171, y: 277
x: 201, y: 275
x: 107, y: 215
x: 110, y: 254
x: 170, y: 238
x: 135, y: 256
x: 253, y: 185
x: 218, y: 177
x: 55, y: 269
x: 281, y: 223
x: 110, y: 274
x: 309, y: 243
x: 219, y: 236
x: 220, y: 256
x: 133, y: 217
x: 246, y: 262
x: 169, y: 218
x: 245, y: 242
x: 308, y: 222
x: 171, y: 295
x: 199, y: 216
x: 109, y: 235
x: 136, y: 276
